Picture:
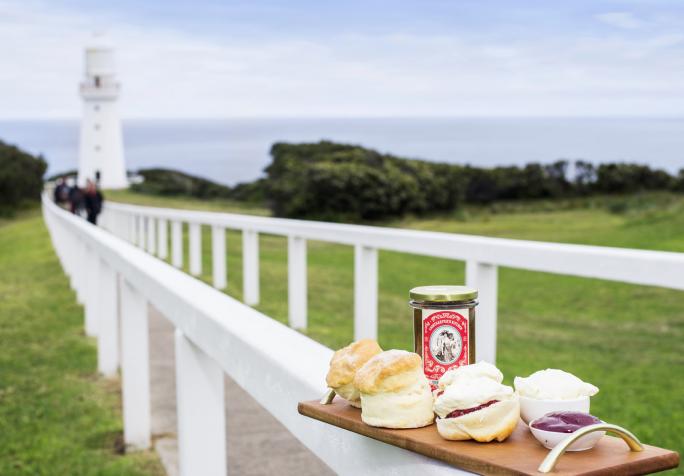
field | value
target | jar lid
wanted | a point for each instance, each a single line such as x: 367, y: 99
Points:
x: 443, y: 293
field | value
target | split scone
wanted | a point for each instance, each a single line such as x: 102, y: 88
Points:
x: 343, y: 366
x: 394, y: 391
x: 475, y: 405
x: 469, y: 372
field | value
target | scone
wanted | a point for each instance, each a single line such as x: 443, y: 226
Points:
x: 466, y: 372
x: 394, y: 391
x: 343, y: 366
x: 475, y: 405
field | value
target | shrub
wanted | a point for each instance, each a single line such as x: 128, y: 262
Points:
x: 173, y: 182
x: 630, y: 178
x: 71, y: 173
x: 249, y: 191
x: 347, y: 182
x: 21, y: 178
x: 679, y: 182
x: 333, y: 181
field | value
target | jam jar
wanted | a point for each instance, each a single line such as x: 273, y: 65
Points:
x: 443, y: 327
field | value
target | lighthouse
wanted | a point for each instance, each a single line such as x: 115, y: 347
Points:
x: 101, y: 156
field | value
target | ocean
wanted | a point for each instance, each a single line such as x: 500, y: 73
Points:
x: 237, y: 150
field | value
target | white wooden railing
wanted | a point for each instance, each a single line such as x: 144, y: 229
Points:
x: 147, y: 227
x: 276, y: 365
x: 215, y: 333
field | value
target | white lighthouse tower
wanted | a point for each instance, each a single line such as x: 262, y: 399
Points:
x: 101, y: 151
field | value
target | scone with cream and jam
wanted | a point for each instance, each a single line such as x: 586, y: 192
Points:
x: 471, y: 403
x: 394, y: 391
x: 344, y: 365
x: 467, y: 372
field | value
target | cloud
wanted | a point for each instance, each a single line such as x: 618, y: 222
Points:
x: 624, y: 20
x: 166, y: 72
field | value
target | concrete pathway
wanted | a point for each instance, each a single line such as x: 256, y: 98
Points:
x: 257, y: 444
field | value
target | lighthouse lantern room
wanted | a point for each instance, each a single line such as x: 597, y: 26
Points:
x: 101, y: 156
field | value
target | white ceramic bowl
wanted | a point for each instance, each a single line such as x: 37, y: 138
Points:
x: 552, y: 438
x: 533, y: 408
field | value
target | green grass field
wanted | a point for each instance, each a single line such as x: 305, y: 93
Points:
x: 628, y: 340
x: 57, y: 417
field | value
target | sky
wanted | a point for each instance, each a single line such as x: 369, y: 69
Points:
x: 371, y: 58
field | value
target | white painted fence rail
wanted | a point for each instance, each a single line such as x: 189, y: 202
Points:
x: 215, y: 333
x: 482, y: 255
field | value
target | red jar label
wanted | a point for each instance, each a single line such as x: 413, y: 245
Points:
x: 445, y: 343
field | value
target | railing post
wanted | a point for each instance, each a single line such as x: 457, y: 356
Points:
x: 92, y: 273
x: 132, y: 228
x: 365, y: 292
x: 135, y: 367
x: 122, y: 225
x: 484, y: 277
x: 142, y: 225
x: 218, y: 256
x: 103, y: 220
x: 151, y: 235
x: 108, y: 328
x: 195, y: 249
x: 66, y: 246
x: 201, y: 411
x: 177, y: 244
x: 127, y: 222
x: 250, y: 267
x: 296, y: 282
x: 64, y: 250
x: 81, y: 270
x: 77, y: 257
x: 108, y: 222
x: 111, y: 221
x: 117, y: 224
x: 163, y: 247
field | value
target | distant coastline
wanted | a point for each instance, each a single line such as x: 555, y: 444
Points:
x: 236, y: 150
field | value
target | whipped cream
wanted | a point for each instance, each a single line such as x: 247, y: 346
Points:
x: 553, y: 384
x: 469, y: 393
x: 468, y: 372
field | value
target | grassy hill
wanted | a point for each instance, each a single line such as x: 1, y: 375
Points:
x: 625, y: 339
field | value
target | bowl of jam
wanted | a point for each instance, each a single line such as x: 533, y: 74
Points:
x: 554, y: 427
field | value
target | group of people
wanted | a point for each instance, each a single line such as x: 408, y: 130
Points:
x: 80, y: 201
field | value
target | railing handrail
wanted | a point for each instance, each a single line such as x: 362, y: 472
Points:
x: 635, y: 266
x: 276, y: 365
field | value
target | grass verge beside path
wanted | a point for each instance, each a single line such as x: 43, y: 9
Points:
x: 56, y: 416
x: 185, y: 203
x: 626, y: 339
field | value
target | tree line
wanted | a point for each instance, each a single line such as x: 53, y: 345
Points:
x: 342, y: 182
x: 332, y: 181
x: 21, y: 178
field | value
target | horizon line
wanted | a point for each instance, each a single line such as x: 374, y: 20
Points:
x: 352, y: 117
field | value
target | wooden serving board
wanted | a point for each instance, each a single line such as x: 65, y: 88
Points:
x: 520, y: 454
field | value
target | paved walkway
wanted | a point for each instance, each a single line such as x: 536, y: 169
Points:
x: 257, y: 444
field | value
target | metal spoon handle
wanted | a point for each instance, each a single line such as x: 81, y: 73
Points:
x: 552, y: 458
x: 328, y: 397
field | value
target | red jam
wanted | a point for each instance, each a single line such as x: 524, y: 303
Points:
x: 564, y: 422
x: 458, y: 413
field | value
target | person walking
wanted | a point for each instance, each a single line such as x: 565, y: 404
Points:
x: 92, y: 199
x: 75, y: 199
x: 61, y: 191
